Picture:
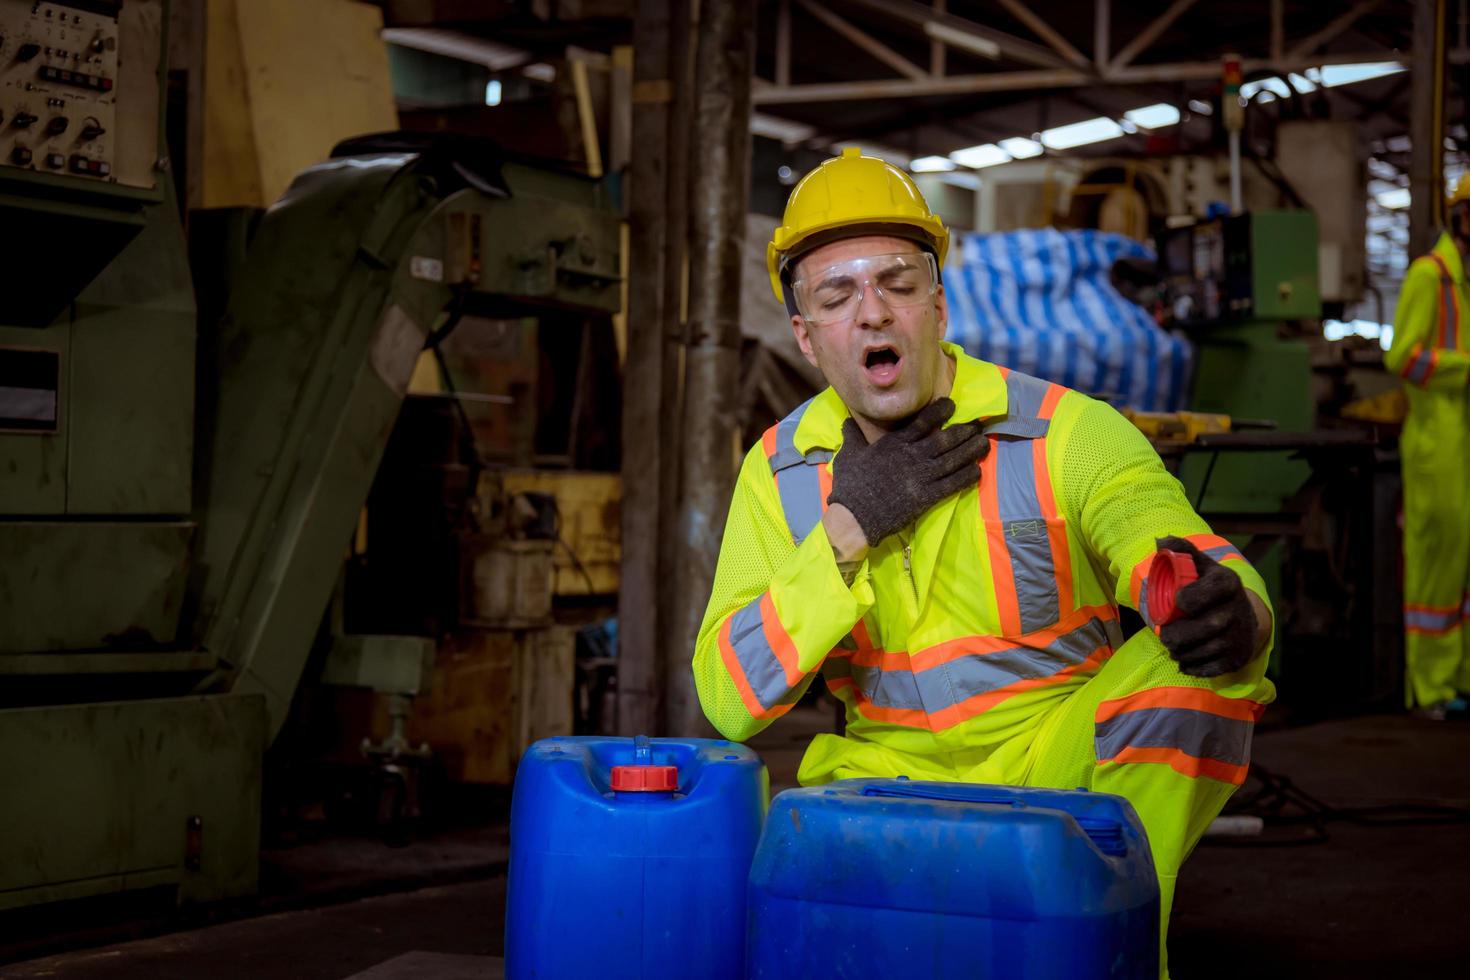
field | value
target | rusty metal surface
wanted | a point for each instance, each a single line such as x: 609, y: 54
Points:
x: 712, y: 358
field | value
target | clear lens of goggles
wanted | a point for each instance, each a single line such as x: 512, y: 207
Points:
x: 836, y: 293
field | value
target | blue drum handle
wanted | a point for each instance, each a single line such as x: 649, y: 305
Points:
x: 957, y: 794
x: 1106, y: 833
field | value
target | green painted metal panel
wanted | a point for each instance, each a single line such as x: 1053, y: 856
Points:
x: 1284, y: 265
x: 87, y: 586
x: 99, y: 798
x: 33, y: 464
x: 1247, y: 370
x: 131, y: 397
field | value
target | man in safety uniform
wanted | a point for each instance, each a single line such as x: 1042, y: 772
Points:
x: 947, y: 543
x: 1432, y: 353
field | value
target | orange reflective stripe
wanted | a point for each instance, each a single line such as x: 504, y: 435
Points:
x: 1421, y: 365
x: 1135, y: 581
x: 1001, y: 576
x: 965, y: 710
x: 768, y: 442
x: 824, y: 482
x: 940, y: 653
x: 1194, y: 698
x: 1449, y: 306
x: 779, y: 640
x: 1049, y: 403
x: 1182, y: 763
x: 1056, y: 532
x: 1204, y: 542
x: 742, y: 684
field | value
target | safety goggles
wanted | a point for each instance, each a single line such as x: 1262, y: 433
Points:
x: 835, y: 293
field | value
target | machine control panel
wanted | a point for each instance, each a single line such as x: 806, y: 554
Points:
x: 58, y: 74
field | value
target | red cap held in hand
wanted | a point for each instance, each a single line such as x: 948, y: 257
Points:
x: 1168, y: 572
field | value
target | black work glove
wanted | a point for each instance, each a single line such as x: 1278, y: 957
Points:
x: 1216, y: 631
x: 889, y: 483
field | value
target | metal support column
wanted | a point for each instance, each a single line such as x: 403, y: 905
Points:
x: 1426, y: 125
x: 672, y: 656
x: 638, y: 627
x: 726, y: 56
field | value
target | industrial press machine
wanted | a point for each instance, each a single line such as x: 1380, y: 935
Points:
x: 177, y: 494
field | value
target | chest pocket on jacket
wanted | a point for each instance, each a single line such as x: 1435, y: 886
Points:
x: 1024, y: 534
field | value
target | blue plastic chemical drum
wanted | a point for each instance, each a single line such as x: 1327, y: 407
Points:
x: 629, y: 858
x: 892, y: 879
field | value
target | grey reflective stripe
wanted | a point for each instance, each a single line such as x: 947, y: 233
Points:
x: 955, y: 681
x: 1221, y: 552
x: 1021, y: 428
x: 798, y: 481
x: 763, y: 671
x: 801, y: 499
x: 1032, y: 567
x: 1434, y: 622
x: 786, y: 454
x: 1197, y: 733
x: 1419, y: 367
x: 1025, y: 394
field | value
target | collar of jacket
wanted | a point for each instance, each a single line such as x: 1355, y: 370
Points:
x: 1445, y: 249
x: 979, y: 393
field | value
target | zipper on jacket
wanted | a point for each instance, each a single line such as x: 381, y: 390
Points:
x: 908, y: 569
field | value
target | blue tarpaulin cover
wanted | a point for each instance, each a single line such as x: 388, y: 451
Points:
x: 1040, y: 301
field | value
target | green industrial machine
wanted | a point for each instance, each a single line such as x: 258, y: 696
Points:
x: 172, y: 527
x: 1236, y: 284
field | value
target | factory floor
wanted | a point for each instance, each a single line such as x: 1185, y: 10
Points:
x: 1337, y: 898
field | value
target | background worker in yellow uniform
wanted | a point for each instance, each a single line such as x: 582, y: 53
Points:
x: 947, y: 544
x: 1430, y: 352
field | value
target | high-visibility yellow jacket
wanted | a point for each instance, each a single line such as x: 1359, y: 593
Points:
x: 959, y: 632
x: 1429, y: 348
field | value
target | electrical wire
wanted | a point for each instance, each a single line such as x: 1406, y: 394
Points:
x: 1282, y: 804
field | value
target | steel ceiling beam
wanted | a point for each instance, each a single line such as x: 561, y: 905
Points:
x: 1038, y: 79
x: 864, y: 40
x: 1333, y: 28
x: 1012, y: 47
x: 1149, y: 35
x: 1047, y: 33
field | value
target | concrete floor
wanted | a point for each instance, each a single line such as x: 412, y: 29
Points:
x: 1368, y: 901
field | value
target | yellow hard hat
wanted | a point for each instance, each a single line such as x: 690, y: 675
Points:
x: 849, y: 191
x: 1461, y: 191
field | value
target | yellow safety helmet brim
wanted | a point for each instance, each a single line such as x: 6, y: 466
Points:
x: 865, y: 194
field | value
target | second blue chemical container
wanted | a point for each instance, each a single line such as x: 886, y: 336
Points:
x: 629, y: 858
x: 893, y: 879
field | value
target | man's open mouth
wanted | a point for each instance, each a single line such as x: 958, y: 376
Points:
x: 881, y: 365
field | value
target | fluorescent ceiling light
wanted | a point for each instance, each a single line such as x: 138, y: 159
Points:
x: 964, y: 40
x: 1333, y: 75
x: 1020, y: 148
x: 492, y: 92
x: 1302, y: 85
x: 926, y: 165
x: 961, y: 178
x: 986, y: 155
x: 1079, y: 134
x: 1201, y: 107
x: 1272, y: 85
x: 1155, y: 116
x: 540, y: 71
x: 1395, y: 200
x: 776, y: 128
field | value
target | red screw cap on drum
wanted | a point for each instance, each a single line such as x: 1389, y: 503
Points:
x: 645, y: 779
x: 1168, y: 572
x: 643, y: 776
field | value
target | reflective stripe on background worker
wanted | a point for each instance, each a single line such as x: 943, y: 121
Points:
x: 947, y: 544
x: 1430, y: 352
